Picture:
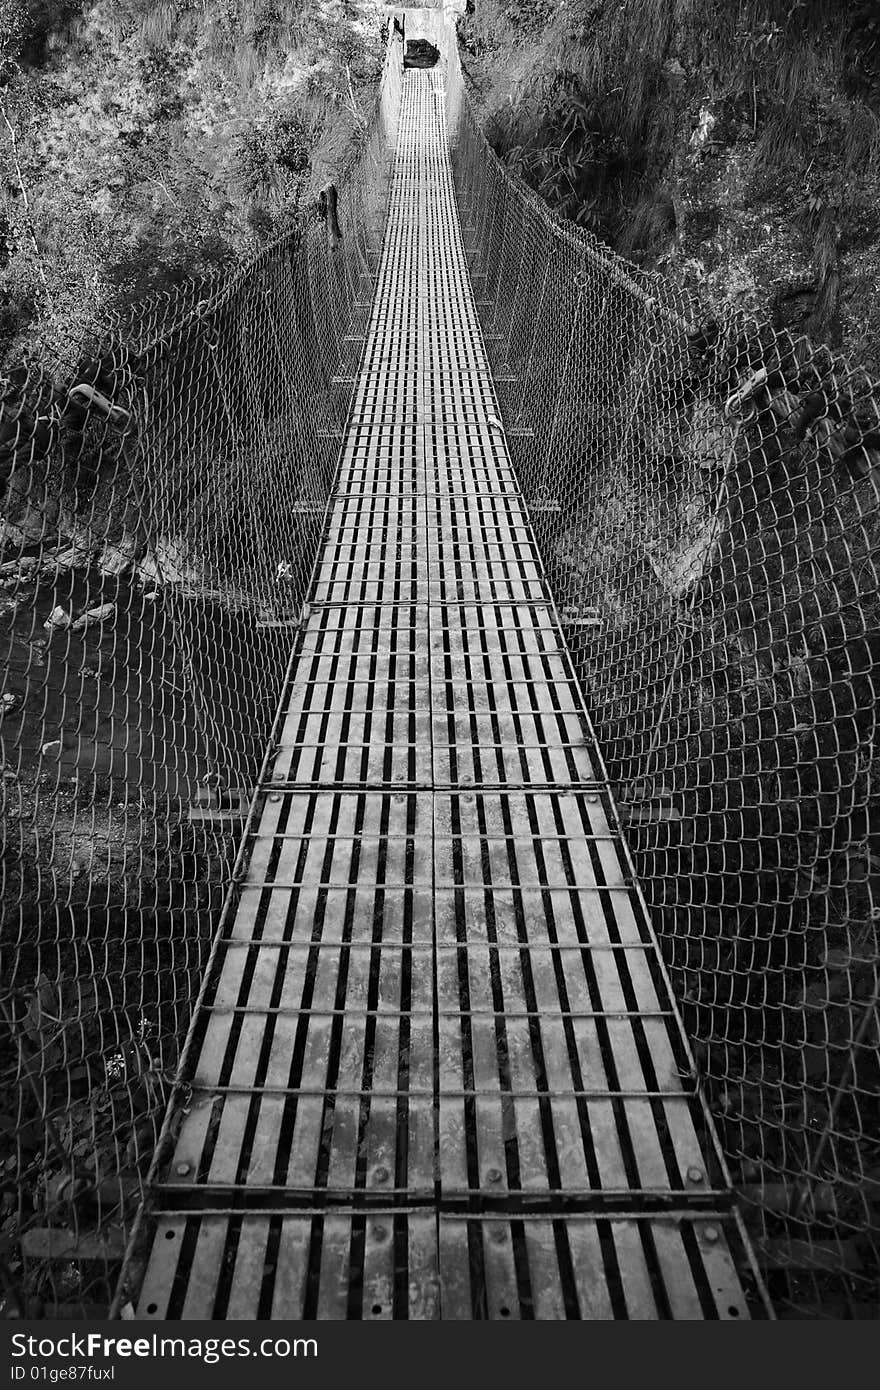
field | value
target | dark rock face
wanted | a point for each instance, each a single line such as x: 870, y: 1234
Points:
x: 739, y: 159
x: 420, y: 54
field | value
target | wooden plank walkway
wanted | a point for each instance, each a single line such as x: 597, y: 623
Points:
x: 440, y: 1073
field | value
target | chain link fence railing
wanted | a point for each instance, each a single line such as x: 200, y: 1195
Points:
x: 706, y: 496
x: 162, y: 507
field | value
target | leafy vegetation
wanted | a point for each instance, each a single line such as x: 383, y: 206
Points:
x: 734, y: 143
x: 141, y: 143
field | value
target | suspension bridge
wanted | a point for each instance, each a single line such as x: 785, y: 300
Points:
x: 438, y: 1072
x: 440, y: 837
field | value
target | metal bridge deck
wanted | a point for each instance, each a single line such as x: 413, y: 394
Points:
x: 440, y: 1073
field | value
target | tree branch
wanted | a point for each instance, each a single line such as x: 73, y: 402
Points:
x: 27, y: 207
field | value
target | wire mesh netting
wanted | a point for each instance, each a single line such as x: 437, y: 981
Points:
x: 162, y: 511
x: 705, y: 495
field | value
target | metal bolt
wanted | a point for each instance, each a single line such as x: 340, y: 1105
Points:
x: 380, y: 1175
x: 379, y: 1232
x: 712, y: 1234
x: 275, y: 797
x: 493, y: 1175
x: 592, y: 799
x: 695, y: 1174
x: 499, y: 1235
x: 183, y: 1169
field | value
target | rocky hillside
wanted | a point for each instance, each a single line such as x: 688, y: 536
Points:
x: 732, y: 144
x: 141, y: 142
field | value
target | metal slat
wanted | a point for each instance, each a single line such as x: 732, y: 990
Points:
x: 439, y: 1031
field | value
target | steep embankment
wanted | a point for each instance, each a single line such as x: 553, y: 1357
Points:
x: 143, y: 142
x: 732, y: 144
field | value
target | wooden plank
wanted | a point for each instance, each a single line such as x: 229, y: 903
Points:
x: 590, y: 1276
x: 424, y: 1268
x: 502, y: 1294
x: 684, y: 1301
x: 456, y: 1296
x: 204, y: 1274
x: 292, y: 1268
x: 247, y: 1274
x: 333, y: 1289
x: 548, y: 1298
x: 378, y: 1278
x: 634, y: 1275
